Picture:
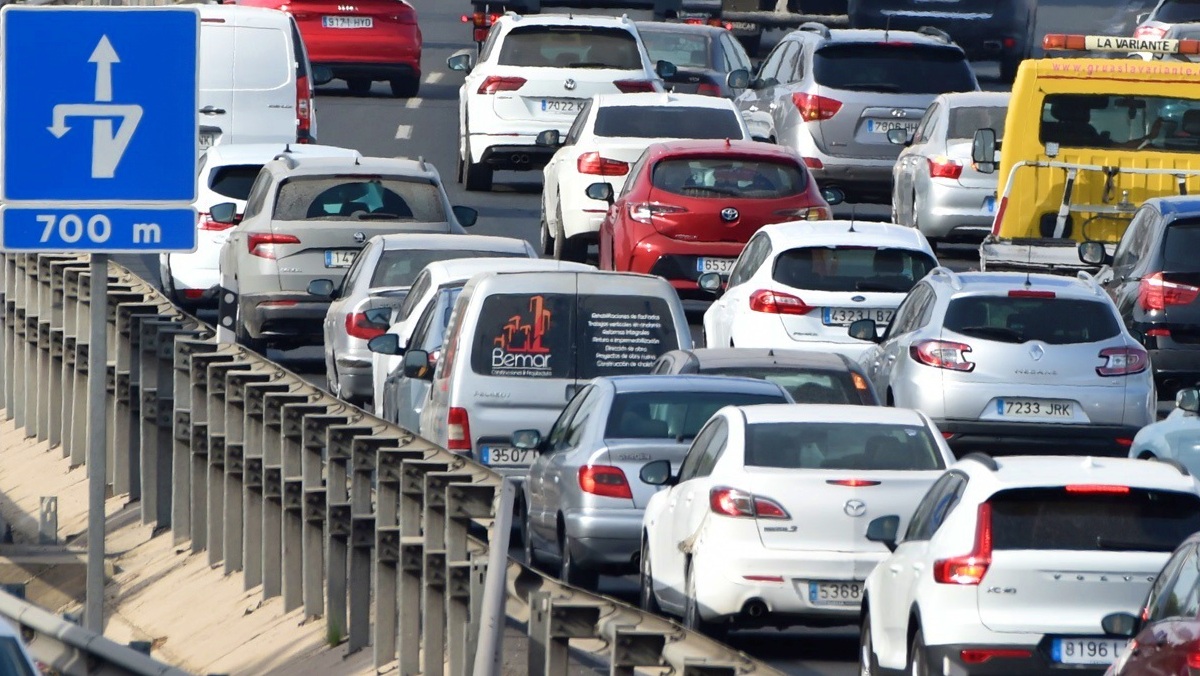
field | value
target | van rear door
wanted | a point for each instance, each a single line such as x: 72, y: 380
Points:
x: 216, y: 79
x: 264, y: 80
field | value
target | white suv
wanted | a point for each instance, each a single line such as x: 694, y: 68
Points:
x: 1008, y: 566
x: 536, y: 73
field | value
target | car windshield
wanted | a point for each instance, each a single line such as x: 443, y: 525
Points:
x: 342, y: 198
x: 965, y: 121
x: 805, y: 386
x: 1055, y: 321
x: 893, y: 68
x: 399, y: 267
x: 1180, y: 247
x: 1109, y: 518
x: 725, y: 177
x: 570, y: 47
x: 851, y: 268
x: 672, y: 415
x: 667, y: 122
x: 1121, y: 122
x: 234, y: 180
x: 1178, y: 11
x: 12, y: 659
x: 685, y: 50
x: 841, y: 445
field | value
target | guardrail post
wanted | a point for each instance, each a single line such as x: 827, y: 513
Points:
x: 319, y: 436
x: 157, y: 343
x: 387, y: 546
x: 21, y: 359
x: 129, y: 398
x: 412, y: 560
x: 4, y: 340
x: 273, y: 498
x: 236, y: 487
x: 58, y: 353
x: 254, y: 478
x: 76, y: 378
x: 292, y: 439
x: 192, y: 358
x: 464, y: 503
x: 632, y: 648
x: 552, y: 624
x: 218, y: 461
x: 45, y: 314
x: 436, y: 558
x: 117, y: 442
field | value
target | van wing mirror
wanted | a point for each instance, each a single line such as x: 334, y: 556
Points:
x: 983, y: 151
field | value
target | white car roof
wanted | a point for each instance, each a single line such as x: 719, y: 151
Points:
x: 1028, y: 471
x: 261, y: 153
x: 452, y: 242
x: 568, y: 20
x: 663, y: 99
x: 834, y: 233
x: 396, y: 166
x: 962, y: 99
x: 463, y: 269
x: 778, y: 413
x: 217, y: 11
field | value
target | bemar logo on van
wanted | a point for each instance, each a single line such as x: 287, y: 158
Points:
x: 519, y: 345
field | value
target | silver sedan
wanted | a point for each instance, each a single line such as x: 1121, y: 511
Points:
x: 583, y: 498
x: 935, y: 187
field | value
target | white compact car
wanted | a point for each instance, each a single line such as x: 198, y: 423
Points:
x: 535, y: 73
x: 1009, y: 565
x: 800, y: 284
x: 766, y: 522
x: 1175, y: 438
x: 607, y: 138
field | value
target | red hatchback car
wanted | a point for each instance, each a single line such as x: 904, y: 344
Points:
x: 689, y: 207
x: 360, y: 41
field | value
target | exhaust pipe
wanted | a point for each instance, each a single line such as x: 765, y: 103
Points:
x: 992, y: 45
x: 519, y: 158
x: 755, y: 608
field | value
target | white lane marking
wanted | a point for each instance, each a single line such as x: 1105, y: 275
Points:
x: 404, y: 131
x: 414, y: 102
x: 434, y: 78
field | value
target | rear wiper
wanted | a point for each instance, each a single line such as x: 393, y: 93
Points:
x: 998, y: 332
x: 377, y: 216
x: 590, y: 64
x: 1130, y: 545
x: 719, y: 191
x: 871, y: 87
x: 867, y: 285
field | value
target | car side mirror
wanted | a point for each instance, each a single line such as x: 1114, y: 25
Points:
x: 322, y: 75
x: 379, y: 317
x: 864, y: 329
x: 388, y: 343
x: 322, y: 288
x: 658, y: 473
x: 1188, y: 399
x: 983, y: 151
x: 898, y: 137
x: 600, y: 191
x: 1120, y: 624
x: 883, y: 530
x: 738, y: 79
x: 527, y: 440
x: 466, y: 216
x: 833, y: 196
x: 549, y: 138
x: 665, y: 69
x: 462, y: 60
x: 1094, y: 253
x: 712, y: 283
x: 417, y: 365
x: 225, y: 212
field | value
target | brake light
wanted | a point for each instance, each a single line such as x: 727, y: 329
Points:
x: 1158, y: 333
x: 1123, y: 361
x: 1027, y: 293
x: 813, y: 107
x: 207, y: 223
x: 644, y: 212
x: 1193, y: 658
x: 981, y: 655
x: 591, y: 163
x: 805, y: 214
x: 358, y: 326
x: 1097, y: 489
x: 193, y: 294
x: 813, y: 163
x: 263, y: 245
x: 303, y: 111
x: 863, y: 388
x: 708, y: 89
x: 969, y: 569
x: 944, y: 167
x: 853, y: 483
x: 1155, y: 293
x: 774, y: 302
x: 740, y: 504
x: 604, y: 480
x: 482, y: 22
x: 497, y: 83
x: 1124, y: 441
x: 458, y: 430
x: 942, y: 354
x: 634, y: 86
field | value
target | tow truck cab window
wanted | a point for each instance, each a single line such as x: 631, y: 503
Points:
x: 1121, y: 122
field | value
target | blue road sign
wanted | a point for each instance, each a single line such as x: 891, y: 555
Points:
x: 99, y: 104
x: 131, y: 230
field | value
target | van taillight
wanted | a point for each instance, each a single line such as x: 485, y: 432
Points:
x: 458, y: 430
x: 303, y: 111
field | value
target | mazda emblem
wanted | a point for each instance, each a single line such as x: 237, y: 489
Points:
x: 569, y: 85
x: 729, y: 214
x: 855, y: 508
x: 1037, y: 352
x: 898, y: 112
x: 360, y: 237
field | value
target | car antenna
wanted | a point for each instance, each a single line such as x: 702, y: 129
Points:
x: 287, y: 147
x: 356, y: 162
x: 887, y: 27
x: 852, y: 210
x: 421, y: 161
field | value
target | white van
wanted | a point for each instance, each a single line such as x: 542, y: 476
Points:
x: 520, y: 344
x: 256, y: 83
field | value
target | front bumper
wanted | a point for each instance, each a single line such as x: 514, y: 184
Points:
x: 283, y: 316
x: 1007, y: 438
x: 606, y: 540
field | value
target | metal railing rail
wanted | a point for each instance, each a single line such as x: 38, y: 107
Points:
x: 351, y: 518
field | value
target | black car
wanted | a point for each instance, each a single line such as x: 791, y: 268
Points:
x: 708, y: 58
x: 987, y: 30
x: 809, y: 377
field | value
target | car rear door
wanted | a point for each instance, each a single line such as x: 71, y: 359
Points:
x: 264, y: 81
x: 624, y: 323
x: 217, y: 40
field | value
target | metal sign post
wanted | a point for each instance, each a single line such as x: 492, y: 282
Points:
x: 99, y: 135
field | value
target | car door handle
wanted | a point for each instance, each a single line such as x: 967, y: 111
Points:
x: 209, y: 110
x: 895, y: 568
x: 918, y: 567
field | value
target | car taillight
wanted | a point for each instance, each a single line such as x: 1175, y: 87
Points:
x: 591, y: 163
x: 207, y: 223
x: 482, y: 22
x: 942, y: 354
x: 853, y: 483
x: 1193, y: 658
x: 981, y: 655
x: 358, y: 326
x: 496, y: 83
x: 604, y: 480
x: 263, y: 245
x: 969, y: 569
x: 863, y: 388
x: 458, y: 430
x: 1155, y: 293
x: 1030, y: 293
x: 634, y: 86
x: 303, y: 111
x: 813, y: 107
x: 708, y: 89
x: 1094, y: 489
x: 944, y: 167
x: 805, y: 214
x: 644, y: 212
x: 774, y: 302
x: 1123, y: 361
x: 813, y: 163
x: 740, y: 504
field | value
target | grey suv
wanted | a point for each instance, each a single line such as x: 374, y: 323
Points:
x: 1016, y: 362
x: 833, y: 95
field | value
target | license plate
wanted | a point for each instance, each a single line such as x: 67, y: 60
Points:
x: 347, y: 21
x: 207, y: 140
x: 834, y: 593
x: 845, y: 316
x: 884, y: 126
x: 1087, y: 650
x: 339, y: 259
x: 989, y: 203
x: 1034, y: 408
x: 568, y: 106
x: 721, y: 265
x: 506, y: 456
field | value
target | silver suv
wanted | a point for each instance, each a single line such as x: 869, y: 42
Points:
x: 833, y: 95
x: 1009, y: 361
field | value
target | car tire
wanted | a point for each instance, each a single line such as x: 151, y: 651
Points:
x: 918, y: 661
x: 546, y: 239
x: 570, y: 572
x: 359, y: 86
x: 647, y: 601
x: 868, y: 664
x: 246, y: 340
x: 405, y: 87
x: 476, y: 177
x: 531, y: 557
x: 691, y: 610
x: 1008, y: 68
x: 572, y: 249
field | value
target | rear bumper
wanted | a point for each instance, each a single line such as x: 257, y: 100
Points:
x: 1004, y: 438
x: 1175, y: 368
x: 859, y: 177
x: 606, y: 540
x: 1037, y: 664
x: 374, y: 70
x: 288, y: 317
x: 676, y: 261
x: 953, y: 211
x: 514, y: 156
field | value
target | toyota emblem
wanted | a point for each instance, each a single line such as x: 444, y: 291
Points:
x: 899, y: 112
x: 569, y: 85
x: 360, y: 237
x: 855, y: 508
x: 729, y: 214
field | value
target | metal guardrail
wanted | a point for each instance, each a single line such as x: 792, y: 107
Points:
x: 311, y: 499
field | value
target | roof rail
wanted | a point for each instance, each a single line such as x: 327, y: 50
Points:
x: 983, y: 459
x: 935, y: 33
x: 815, y: 27
x: 513, y: 15
x: 288, y: 159
x: 1090, y: 281
x: 943, y: 271
x: 1173, y: 463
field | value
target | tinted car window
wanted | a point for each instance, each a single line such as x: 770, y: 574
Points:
x: 1056, y: 321
x: 1178, y: 11
x: 399, y: 267
x: 1140, y: 122
x: 850, y: 446
x: 234, y: 181
x: 723, y: 177
x: 620, y: 335
x: 892, y: 69
x: 667, y: 122
x: 339, y: 198
x: 1180, y: 247
x: 672, y: 415
x: 1118, y: 518
x: 570, y: 47
x: 806, y: 387
x: 965, y: 121
x: 851, y: 268
x: 685, y: 50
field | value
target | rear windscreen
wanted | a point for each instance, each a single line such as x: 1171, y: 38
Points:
x: 1053, y: 518
x: 1056, y: 321
x: 852, y: 268
x: 806, y: 387
x: 667, y: 122
x: 1180, y: 247
x: 1121, y: 122
x: 841, y: 445
x: 343, y: 198
x: 892, y: 68
x: 722, y: 178
x: 1178, y: 11
x: 965, y: 121
x: 399, y: 267
x: 685, y: 50
x: 570, y: 47
x: 234, y: 181
x: 672, y: 415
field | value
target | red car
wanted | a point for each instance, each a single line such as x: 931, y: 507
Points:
x: 689, y: 207
x: 360, y: 41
